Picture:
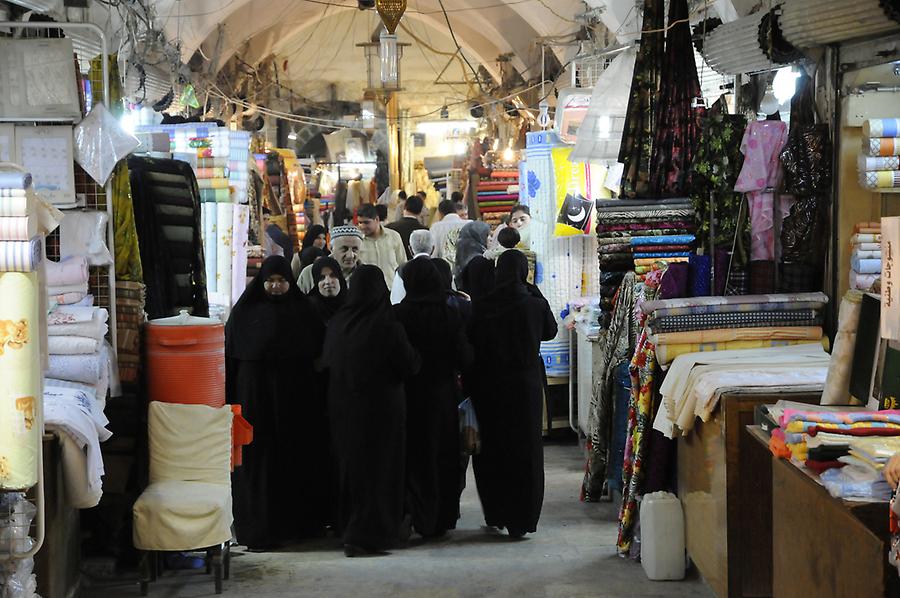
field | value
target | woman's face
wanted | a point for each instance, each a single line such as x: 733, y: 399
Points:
x: 276, y: 286
x: 329, y: 285
x: 519, y: 220
x: 319, y: 242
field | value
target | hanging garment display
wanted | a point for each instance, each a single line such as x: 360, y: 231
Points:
x: 677, y: 128
x: 637, y: 141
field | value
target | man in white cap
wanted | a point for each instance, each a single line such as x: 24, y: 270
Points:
x: 346, y: 243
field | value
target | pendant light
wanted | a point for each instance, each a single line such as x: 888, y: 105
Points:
x: 391, y: 11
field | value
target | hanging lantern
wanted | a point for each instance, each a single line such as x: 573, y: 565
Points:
x: 389, y: 53
x: 391, y: 11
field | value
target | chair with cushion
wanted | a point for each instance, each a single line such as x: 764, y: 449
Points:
x: 187, y: 505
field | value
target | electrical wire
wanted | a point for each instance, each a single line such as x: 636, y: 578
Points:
x: 458, y: 47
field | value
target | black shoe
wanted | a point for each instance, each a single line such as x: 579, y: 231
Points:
x: 352, y: 551
x: 515, y: 533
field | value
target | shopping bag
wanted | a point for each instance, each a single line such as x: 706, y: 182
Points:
x: 469, y: 434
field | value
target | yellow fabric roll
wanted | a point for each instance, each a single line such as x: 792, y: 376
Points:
x: 649, y: 261
x: 20, y: 370
x: 666, y: 354
x: 723, y: 335
x: 212, y: 183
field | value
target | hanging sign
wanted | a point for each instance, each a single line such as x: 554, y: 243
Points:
x: 890, y: 278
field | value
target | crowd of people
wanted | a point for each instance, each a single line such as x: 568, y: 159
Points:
x: 351, y: 363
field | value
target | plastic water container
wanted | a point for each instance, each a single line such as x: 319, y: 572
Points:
x: 662, y: 537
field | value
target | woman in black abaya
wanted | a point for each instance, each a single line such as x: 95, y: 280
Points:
x: 330, y: 291
x: 506, y: 330
x: 368, y: 358
x: 436, y: 331
x: 271, y: 340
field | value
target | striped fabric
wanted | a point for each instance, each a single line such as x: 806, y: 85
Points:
x: 16, y: 228
x: 20, y: 256
x: 13, y: 206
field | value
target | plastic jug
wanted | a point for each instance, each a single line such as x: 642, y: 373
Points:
x: 662, y: 537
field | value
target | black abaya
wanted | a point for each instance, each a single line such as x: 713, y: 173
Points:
x: 369, y: 358
x: 281, y: 491
x: 506, y: 330
x: 436, y: 331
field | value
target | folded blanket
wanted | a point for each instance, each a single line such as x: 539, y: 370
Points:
x: 664, y: 240
x: 96, y: 328
x: 77, y: 368
x: 67, y: 288
x: 882, y: 179
x: 866, y: 266
x: 721, y: 335
x: 72, y: 345
x: 865, y: 238
x: 690, y: 322
x: 67, y: 314
x: 866, y: 255
x: 70, y: 271
x: 69, y: 298
x: 863, y: 282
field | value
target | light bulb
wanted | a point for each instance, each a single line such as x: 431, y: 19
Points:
x: 509, y: 155
x: 770, y: 103
x: 785, y: 84
x: 292, y: 136
x: 544, y: 116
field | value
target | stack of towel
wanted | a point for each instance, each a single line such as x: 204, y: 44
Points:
x: 879, y: 163
x: 865, y: 261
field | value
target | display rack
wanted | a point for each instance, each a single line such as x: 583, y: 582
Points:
x: 96, y: 197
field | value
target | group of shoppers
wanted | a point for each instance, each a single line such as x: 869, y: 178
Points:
x: 354, y: 401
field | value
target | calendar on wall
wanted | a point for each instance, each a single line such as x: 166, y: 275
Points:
x: 47, y: 153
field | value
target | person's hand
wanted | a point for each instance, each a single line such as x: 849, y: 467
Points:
x: 892, y: 471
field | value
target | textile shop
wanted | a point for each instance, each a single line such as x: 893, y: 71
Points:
x: 713, y: 220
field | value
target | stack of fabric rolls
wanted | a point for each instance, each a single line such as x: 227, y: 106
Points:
x: 130, y: 318
x: 699, y: 324
x: 239, y: 164
x: 497, y: 195
x: 643, y: 235
x: 865, y: 261
x: 879, y: 163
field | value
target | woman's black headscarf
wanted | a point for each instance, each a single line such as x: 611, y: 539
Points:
x: 477, y: 279
x: 327, y: 306
x: 445, y: 273
x: 431, y: 324
x: 422, y: 282
x: 511, y: 283
x: 312, y: 234
x: 472, y: 243
x: 309, y: 255
x: 263, y: 326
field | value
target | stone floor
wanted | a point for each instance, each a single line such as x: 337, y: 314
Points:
x: 572, y: 555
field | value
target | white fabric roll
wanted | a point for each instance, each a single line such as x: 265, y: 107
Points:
x: 224, y: 226
x: 837, y: 384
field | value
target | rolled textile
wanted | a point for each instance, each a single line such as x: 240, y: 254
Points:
x: 72, y: 270
x: 734, y: 307
x: 77, y: 368
x: 212, y: 163
x: 873, y: 246
x: 664, y: 240
x: 20, y: 372
x: 882, y: 179
x: 881, y: 127
x: 882, y: 146
x: 76, y: 315
x: 700, y: 275
x: 215, y: 195
x: 651, y: 261
x: 632, y: 203
x: 859, y: 225
x: 224, y: 228
x: 13, y: 206
x: 210, y: 242
x: 68, y: 298
x: 816, y: 300
x: 661, y: 254
x: 873, y: 230
x: 68, y: 288
x: 72, y: 345
x: 675, y: 281
x: 17, y: 228
x: 649, y: 207
x: 863, y: 282
x: 875, y: 163
x: 617, y: 248
x: 724, y: 335
x: 666, y: 354
x: 866, y: 266
x: 20, y: 256
x: 865, y: 238
x: 866, y: 255
x: 689, y: 323
x: 15, y: 180
x: 837, y: 384
x: 15, y: 193
x: 212, y: 183
x: 661, y: 248
x: 212, y: 173
x: 240, y: 241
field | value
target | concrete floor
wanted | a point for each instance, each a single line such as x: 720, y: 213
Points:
x: 572, y: 555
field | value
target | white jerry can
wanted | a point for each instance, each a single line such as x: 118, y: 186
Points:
x: 662, y: 537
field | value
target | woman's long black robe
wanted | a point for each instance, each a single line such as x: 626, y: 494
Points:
x: 506, y: 330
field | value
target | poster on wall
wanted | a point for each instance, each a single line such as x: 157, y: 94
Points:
x: 890, y: 278
x: 47, y: 153
x: 574, y: 211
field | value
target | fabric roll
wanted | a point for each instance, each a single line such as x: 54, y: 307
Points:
x: 700, y: 269
x: 675, y: 281
x: 215, y: 195
x: 873, y: 246
x: 213, y: 163
x: 692, y: 322
x: 13, y: 206
x: 837, y: 384
x: 20, y: 371
x: 651, y: 261
x: 764, y: 302
x: 666, y: 354
x: 13, y: 193
x: 876, y: 163
x: 211, y: 173
x: 664, y: 240
x: 212, y: 183
x: 762, y: 277
x: 873, y: 230
x: 20, y: 256
x: 865, y: 238
x: 866, y: 266
x: 863, y: 282
x: 224, y: 234
x: 76, y: 368
x: 882, y: 146
x: 680, y: 202
x: 723, y: 335
x: 72, y: 345
x: 866, y: 255
x: 240, y: 241
x: 15, y: 180
x: 70, y: 271
x: 210, y: 244
x: 661, y: 254
x: 881, y: 127
x: 885, y: 179
x: 17, y: 228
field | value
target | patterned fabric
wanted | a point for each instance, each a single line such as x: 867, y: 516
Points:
x: 646, y: 215
x: 869, y: 163
x: 886, y: 179
x: 637, y: 141
x: 735, y: 307
x: 680, y: 225
x: 678, y: 122
x: 819, y: 299
x: 687, y: 323
x: 665, y: 240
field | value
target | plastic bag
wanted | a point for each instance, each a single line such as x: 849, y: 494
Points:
x: 100, y: 142
x: 84, y: 233
x: 469, y: 432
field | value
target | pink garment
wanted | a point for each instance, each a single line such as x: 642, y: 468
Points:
x: 761, y: 146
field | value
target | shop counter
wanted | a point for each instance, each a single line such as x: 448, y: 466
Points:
x: 724, y: 486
